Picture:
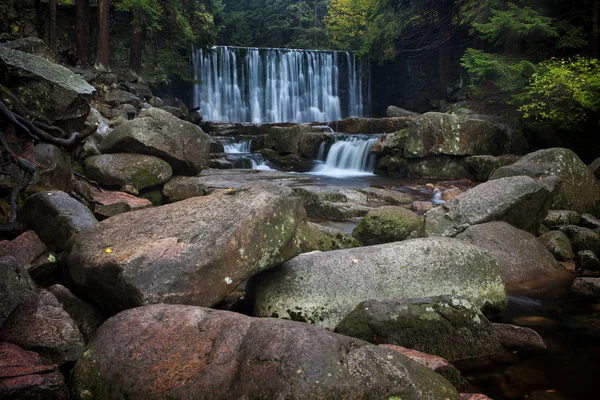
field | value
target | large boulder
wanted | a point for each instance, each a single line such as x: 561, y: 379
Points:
x: 55, y: 217
x: 520, y: 255
x: 386, y: 224
x: 483, y: 166
x: 518, y: 200
x: 370, y: 125
x: 295, y: 139
x: 558, y: 244
x: 185, y: 352
x: 446, y: 326
x: 48, y: 88
x: 435, y: 134
x: 577, y: 189
x: 16, y: 286
x: 40, y: 324
x: 138, y: 170
x: 24, y: 375
x: 34, y: 46
x: 194, y: 251
x: 393, y: 111
x: 183, y: 187
x: 322, y: 288
x: 582, y: 238
x: 157, y: 133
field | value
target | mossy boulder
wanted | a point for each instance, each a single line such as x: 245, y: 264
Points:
x: 315, y: 237
x: 185, y: 352
x: 558, y: 244
x: 446, y: 326
x: 482, y: 167
x: 557, y: 218
x: 184, y: 187
x: 370, y: 125
x: 194, y: 251
x: 322, y: 288
x: 157, y: 133
x: 577, y: 188
x: 582, y: 238
x: 47, y: 88
x: 443, y: 167
x: 138, y: 170
x: 386, y: 224
x: 295, y: 139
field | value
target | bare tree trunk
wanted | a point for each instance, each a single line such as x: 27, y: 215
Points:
x: 52, y: 32
x: 82, y: 33
x: 595, y: 29
x: 103, y: 48
x: 137, y: 47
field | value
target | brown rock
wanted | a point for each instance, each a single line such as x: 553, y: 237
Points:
x: 110, y: 203
x: 26, y: 375
x: 185, y: 352
x: 40, y: 324
x: 421, y: 206
x: 16, y: 286
x: 450, y: 193
x: 474, y: 396
x: 519, y: 338
x: 25, y: 248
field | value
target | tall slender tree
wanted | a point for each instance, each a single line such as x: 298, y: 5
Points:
x: 103, y: 48
x: 82, y: 33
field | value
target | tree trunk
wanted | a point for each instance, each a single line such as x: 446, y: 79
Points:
x: 103, y: 48
x: 595, y: 29
x: 82, y: 33
x: 52, y: 32
x: 137, y: 47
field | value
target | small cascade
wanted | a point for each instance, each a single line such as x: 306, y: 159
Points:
x: 348, y: 156
x: 277, y: 85
x: 244, y: 146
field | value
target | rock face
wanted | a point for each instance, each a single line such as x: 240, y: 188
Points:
x: 25, y: 375
x: 558, y: 244
x: 582, y: 238
x: 184, y: 187
x: 195, y: 251
x: 483, y: 166
x: 137, y: 170
x: 587, y: 288
x: 157, y: 133
x: 519, y: 338
x: 48, y: 88
x: 41, y: 324
x: 578, y: 188
x: 188, y: 352
x: 322, y: 288
x: 16, y: 286
x: 518, y: 200
x: 435, y: 134
x: 446, y: 326
x: 520, y: 255
x: 386, y: 224
x: 55, y: 217
x: 393, y: 111
x: 299, y: 139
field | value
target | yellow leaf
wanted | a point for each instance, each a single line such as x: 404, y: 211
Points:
x: 108, y: 250
x: 15, y: 29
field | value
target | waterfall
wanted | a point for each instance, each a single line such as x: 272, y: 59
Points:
x: 236, y: 148
x: 277, y: 85
x: 348, y: 156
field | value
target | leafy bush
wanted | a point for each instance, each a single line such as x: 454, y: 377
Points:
x: 507, y: 73
x: 563, y: 93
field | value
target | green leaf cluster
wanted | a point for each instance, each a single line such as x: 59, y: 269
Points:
x: 564, y: 93
x: 508, y: 74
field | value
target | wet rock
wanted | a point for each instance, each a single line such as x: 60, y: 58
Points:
x: 393, y: 111
x: 370, y: 125
x: 442, y: 167
x: 520, y: 255
x: 322, y: 288
x: 450, y: 193
x: 175, y: 111
x: 116, y: 97
x: 46, y: 87
x: 186, y: 252
x: 157, y: 133
x: 315, y: 237
x: 40, y: 324
x: 519, y: 338
x: 386, y: 224
x: 434, y: 134
x: 589, y: 221
x: 25, y: 248
x: 434, y: 363
x: 582, y: 238
x: 110, y: 203
x: 332, y: 203
x: 518, y: 200
x: 16, y: 286
x: 446, y: 326
x: 116, y: 170
x: 156, y: 102
x: 184, y: 187
x: 557, y: 218
x: 481, y: 167
x: 25, y: 375
x: 87, y: 317
x: 558, y: 244
x: 55, y: 217
x: 233, y: 356
x: 588, y: 260
x: 587, y: 288
x: 388, y: 196
x: 292, y: 139
x: 220, y: 163
x: 578, y: 188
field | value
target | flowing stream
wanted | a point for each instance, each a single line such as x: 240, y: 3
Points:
x: 348, y: 156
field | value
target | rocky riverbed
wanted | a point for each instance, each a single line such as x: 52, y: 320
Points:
x: 145, y: 266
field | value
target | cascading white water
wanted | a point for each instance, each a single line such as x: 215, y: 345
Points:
x: 348, y: 156
x: 244, y: 146
x: 276, y: 85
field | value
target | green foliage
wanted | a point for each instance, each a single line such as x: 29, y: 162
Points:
x: 563, y: 93
x: 346, y: 23
x: 508, y: 74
